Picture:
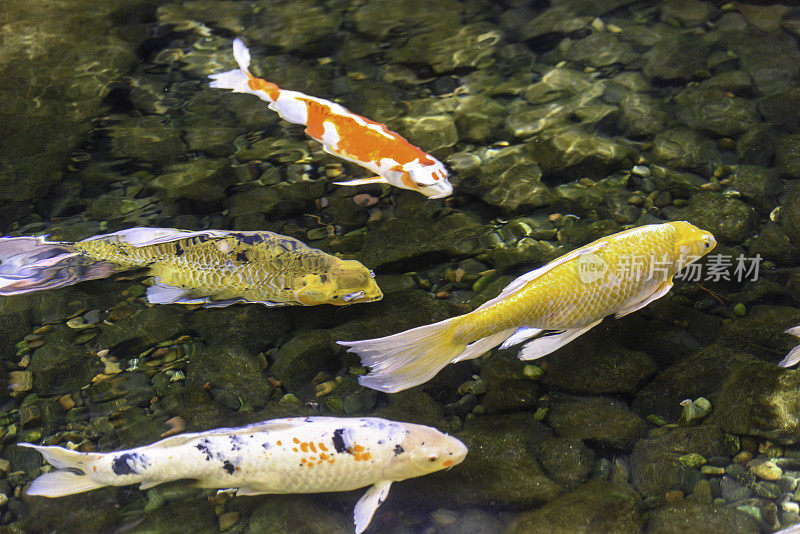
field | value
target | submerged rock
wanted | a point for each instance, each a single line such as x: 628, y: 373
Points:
x: 597, y: 366
x: 231, y: 371
x: 698, y: 517
x: 571, y: 152
x: 61, y: 367
x: 773, y: 397
x: 504, y: 471
x: 202, y: 180
x: 655, y: 464
x: 685, y: 149
x: 597, y: 506
x: 729, y: 219
x: 603, y: 421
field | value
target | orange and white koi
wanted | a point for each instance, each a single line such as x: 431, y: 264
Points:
x: 550, y: 306
x: 343, y: 133
x: 296, y: 455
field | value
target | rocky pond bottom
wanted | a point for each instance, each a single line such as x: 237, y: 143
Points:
x: 561, y: 122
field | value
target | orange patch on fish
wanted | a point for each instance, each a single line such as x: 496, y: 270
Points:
x: 304, y: 447
x: 323, y: 447
x: 296, y: 440
x: 312, y: 446
x: 257, y: 84
x: 447, y: 463
x: 359, y: 141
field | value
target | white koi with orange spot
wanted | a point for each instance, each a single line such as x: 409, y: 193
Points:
x: 296, y: 455
x: 343, y: 133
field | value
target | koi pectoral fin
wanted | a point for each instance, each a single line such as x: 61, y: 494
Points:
x: 368, y: 503
x: 365, y: 181
x: 542, y: 346
x: 660, y: 291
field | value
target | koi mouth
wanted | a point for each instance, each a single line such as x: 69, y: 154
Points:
x: 353, y: 296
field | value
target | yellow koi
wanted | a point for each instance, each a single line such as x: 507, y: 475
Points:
x: 617, y: 274
x: 210, y: 267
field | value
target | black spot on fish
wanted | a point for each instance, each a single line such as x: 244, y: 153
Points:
x: 125, y: 464
x: 249, y: 239
x: 338, y: 440
x: 288, y: 244
x: 398, y: 450
x: 241, y: 257
x: 236, y: 442
x: 307, y: 419
x: 266, y: 445
x: 228, y: 467
x: 204, y: 447
x: 178, y: 249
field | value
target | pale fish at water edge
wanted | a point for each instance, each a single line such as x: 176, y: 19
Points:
x: 296, y: 455
x: 794, y: 355
x: 617, y: 274
x: 210, y: 267
x: 344, y: 134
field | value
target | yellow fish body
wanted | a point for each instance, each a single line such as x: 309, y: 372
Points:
x: 211, y: 267
x: 617, y: 274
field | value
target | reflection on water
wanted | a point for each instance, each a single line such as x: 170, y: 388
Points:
x: 560, y: 122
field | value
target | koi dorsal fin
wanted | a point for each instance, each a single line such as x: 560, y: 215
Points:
x: 521, y: 281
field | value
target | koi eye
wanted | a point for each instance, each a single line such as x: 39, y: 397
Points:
x: 432, y: 458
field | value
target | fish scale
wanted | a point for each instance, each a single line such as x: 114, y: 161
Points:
x: 546, y: 308
x: 294, y: 455
x: 210, y: 267
x: 579, y: 303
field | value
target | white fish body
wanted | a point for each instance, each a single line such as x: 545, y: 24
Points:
x: 296, y: 455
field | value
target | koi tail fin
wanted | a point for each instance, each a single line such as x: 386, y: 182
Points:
x: 413, y: 357
x: 70, y: 478
x: 235, y: 79
x: 33, y: 263
x: 794, y: 355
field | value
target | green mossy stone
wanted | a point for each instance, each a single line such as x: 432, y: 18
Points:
x: 231, y: 369
x: 699, y: 517
x: 596, y: 506
x: 603, y: 421
x: 655, y: 462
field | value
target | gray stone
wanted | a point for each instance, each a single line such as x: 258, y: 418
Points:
x: 434, y: 132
